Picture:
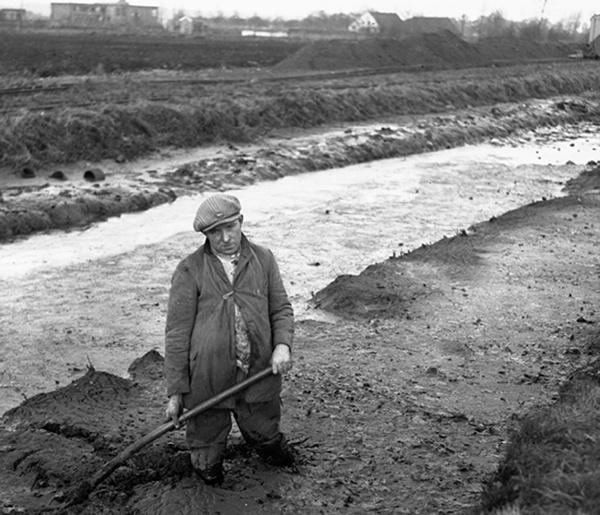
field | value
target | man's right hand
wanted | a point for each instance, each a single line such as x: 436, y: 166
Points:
x: 174, y: 408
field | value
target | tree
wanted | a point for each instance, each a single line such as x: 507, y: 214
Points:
x: 534, y: 30
x: 494, y: 25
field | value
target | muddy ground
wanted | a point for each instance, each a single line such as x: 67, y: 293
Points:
x: 66, y: 196
x: 401, y: 403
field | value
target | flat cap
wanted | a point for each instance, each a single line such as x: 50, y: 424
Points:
x: 215, y: 210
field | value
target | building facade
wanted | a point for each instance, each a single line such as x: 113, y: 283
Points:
x: 100, y: 14
x: 12, y: 17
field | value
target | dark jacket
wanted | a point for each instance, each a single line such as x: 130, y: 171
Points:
x: 200, y: 358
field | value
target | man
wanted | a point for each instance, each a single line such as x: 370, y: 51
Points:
x: 228, y: 318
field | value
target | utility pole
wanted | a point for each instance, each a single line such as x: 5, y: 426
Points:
x: 542, y: 24
x: 543, y: 9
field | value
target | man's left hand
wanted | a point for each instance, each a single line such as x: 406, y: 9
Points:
x: 281, y: 360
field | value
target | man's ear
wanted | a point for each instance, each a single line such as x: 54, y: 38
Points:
x: 241, y: 219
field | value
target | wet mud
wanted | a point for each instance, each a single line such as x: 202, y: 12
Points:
x: 401, y: 404
x: 42, y: 205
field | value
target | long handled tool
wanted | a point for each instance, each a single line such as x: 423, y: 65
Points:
x: 86, y: 487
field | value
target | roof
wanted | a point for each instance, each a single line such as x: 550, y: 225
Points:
x: 389, y: 23
x: 421, y: 24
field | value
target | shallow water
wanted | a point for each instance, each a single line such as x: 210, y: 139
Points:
x: 338, y: 221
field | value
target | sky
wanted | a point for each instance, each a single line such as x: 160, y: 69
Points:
x: 516, y: 10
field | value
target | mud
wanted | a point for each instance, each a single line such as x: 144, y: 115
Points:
x: 401, y: 404
x: 41, y: 204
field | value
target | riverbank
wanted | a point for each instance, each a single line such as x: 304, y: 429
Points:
x: 430, y: 399
x: 88, y: 192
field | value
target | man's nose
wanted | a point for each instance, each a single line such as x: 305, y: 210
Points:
x: 225, y: 235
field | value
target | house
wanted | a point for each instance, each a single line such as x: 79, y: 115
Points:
x: 389, y: 25
x: 423, y: 24
x: 103, y: 15
x: 11, y: 17
x: 185, y: 25
x: 386, y: 25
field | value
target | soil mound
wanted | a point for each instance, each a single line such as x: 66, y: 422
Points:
x: 54, y: 441
x: 511, y: 49
x: 96, y: 407
x: 437, y: 48
x: 431, y: 48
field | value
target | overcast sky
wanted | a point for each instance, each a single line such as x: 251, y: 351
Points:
x: 554, y: 10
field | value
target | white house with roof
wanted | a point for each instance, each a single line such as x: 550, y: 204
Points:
x: 373, y: 22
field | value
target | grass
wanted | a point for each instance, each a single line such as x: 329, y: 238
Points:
x: 552, y: 464
x: 120, y: 119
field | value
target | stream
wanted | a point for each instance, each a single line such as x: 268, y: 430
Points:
x: 339, y: 221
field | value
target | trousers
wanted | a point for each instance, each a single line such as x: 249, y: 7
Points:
x: 206, y: 434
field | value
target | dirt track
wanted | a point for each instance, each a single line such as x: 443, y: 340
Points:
x: 401, y: 405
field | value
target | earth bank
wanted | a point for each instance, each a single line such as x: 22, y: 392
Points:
x: 40, y: 204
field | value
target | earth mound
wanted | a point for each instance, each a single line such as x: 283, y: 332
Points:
x: 437, y: 48
x: 499, y: 49
x: 54, y: 441
x: 430, y: 48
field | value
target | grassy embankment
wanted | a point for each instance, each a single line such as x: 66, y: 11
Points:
x: 131, y: 126
x: 552, y: 464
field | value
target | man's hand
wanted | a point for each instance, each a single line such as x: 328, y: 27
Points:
x: 281, y: 360
x: 174, y: 408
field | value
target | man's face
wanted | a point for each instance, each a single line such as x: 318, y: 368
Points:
x: 226, y: 238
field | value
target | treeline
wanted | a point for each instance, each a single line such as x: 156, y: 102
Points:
x: 537, y: 29
x: 571, y: 29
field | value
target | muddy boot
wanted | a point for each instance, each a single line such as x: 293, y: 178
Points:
x: 213, y: 475
x: 277, y: 452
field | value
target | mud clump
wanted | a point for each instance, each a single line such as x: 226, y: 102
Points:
x: 148, y: 368
x: 382, y: 290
